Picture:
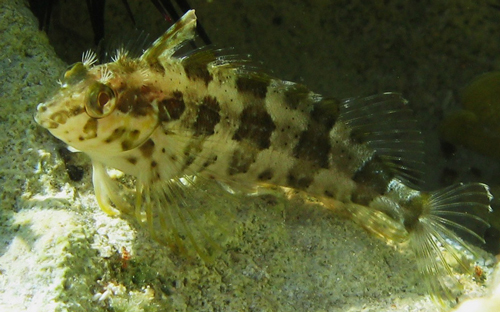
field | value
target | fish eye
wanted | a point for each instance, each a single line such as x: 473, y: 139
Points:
x: 101, y: 100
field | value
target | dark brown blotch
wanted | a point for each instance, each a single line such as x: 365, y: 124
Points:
x: 134, y: 134
x: 314, y: 146
x: 373, y: 175
x: 241, y: 162
x: 208, y: 116
x: 90, y: 129
x: 265, y: 175
x: 171, y: 108
x: 157, y: 67
x: 326, y: 112
x: 298, y: 181
x: 196, y: 65
x: 135, y: 102
x: 255, y: 84
x: 189, y: 160
x: 77, y: 111
x: 132, y: 160
x: 147, y: 148
x: 117, y: 133
x: 295, y: 95
x: 256, y: 126
x: 125, y: 102
x: 191, y: 151
x: 371, y: 181
x: 328, y: 194
x: 210, y: 161
x: 127, y: 144
x: 49, y: 124
x: 59, y: 117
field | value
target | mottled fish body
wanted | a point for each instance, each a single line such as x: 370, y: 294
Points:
x: 166, y: 118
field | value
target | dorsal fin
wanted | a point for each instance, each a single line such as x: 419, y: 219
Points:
x: 385, y: 123
x: 172, y: 39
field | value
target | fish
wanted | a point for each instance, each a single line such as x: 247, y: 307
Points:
x: 174, y: 120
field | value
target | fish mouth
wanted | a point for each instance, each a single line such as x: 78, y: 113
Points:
x: 40, y: 108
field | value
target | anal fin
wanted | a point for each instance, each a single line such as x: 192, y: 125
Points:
x: 377, y: 222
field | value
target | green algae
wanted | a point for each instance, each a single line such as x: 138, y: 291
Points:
x: 477, y: 125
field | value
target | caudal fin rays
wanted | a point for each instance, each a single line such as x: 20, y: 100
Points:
x: 439, y: 249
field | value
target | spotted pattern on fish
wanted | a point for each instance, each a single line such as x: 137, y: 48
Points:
x: 90, y: 129
x: 171, y: 108
x: 147, y: 148
x: 256, y: 127
x: 208, y: 116
x: 164, y: 117
x: 196, y: 67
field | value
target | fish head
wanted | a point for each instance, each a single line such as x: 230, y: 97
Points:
x: 103, y: 109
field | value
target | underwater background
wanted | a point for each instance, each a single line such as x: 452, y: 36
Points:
x: 59, y: 252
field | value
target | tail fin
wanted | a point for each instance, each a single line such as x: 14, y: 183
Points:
x: 435, y: 238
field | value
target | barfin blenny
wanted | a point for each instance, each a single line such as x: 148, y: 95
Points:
x: 172, y: 120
